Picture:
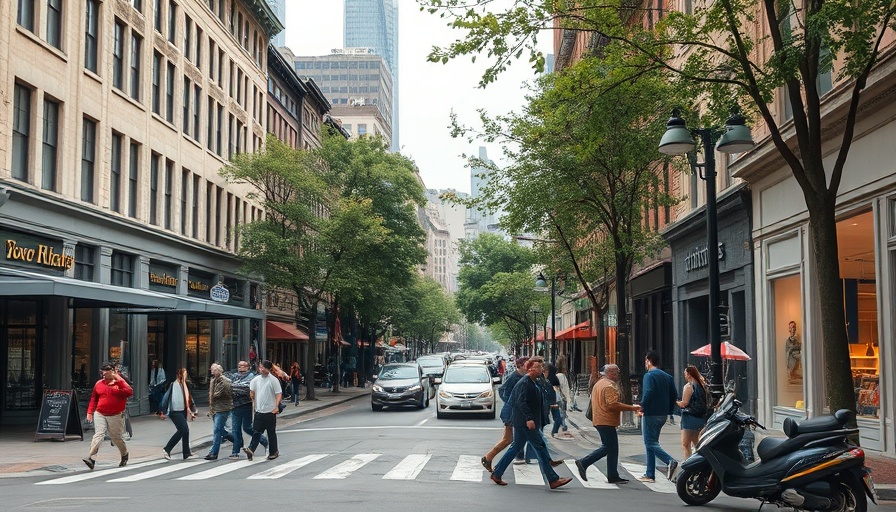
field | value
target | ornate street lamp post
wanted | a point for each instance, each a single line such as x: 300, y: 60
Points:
x: 541, y: 285
x: 678, y: 140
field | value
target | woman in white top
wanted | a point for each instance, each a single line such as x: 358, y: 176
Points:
x: 177, y: 404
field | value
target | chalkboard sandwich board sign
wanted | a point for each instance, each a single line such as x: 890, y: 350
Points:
x: 60, y: 416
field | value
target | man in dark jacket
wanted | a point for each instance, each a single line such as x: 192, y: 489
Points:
x: 241, y: 414
x: 658, y: 398
x: 528, y: 418
x: 505, y: 392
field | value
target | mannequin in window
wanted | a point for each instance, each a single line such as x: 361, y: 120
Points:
x: 794, y: 350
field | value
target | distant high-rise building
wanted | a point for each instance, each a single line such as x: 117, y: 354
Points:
x: 279, y: 8
x: 481, y: 221
x: 374, y: 24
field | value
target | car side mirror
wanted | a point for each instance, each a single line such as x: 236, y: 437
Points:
x: 373, y: 377
x: 496, y: 380
x: 436, y: 380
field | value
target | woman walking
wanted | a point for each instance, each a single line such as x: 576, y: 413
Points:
x: 694, y: 391
x: 558, y: 411
x: 295, y: 379
x: 178, y: 404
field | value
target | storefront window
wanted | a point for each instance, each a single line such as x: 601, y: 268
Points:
x: 231, y: 349
x: 155, y: 339
x: 83, y: 374
x: 855, y: 239
x: 119, y: 345
x: 788, y: 334
x: 19, y: 331
x: 199, y: 351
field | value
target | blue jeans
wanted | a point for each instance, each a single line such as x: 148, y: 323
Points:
x: 650, y: 430
x: 559, y: 421
x: 609, y: 448
x: 522, y: 435
x: 179, y: 418
x: 295, y: 391
x: 219, y: 432
x: 241, y: 421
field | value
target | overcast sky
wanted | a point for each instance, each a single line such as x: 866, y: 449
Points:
x: 428, y: 91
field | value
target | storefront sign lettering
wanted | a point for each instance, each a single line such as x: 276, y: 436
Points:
x: 163, y: 279
x: 198, y: 286
x: 42, y: 255
x: 699, y: 257
x: 219, y: 293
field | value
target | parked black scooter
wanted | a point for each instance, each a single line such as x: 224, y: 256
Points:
x: 814, y: 468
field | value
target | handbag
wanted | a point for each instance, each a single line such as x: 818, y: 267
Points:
x: 588, y: 413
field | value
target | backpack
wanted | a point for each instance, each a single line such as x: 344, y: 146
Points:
x: 700, y: 404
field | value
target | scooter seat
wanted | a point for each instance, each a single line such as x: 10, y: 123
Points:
x: 793, y: 428
x: 772, y: 447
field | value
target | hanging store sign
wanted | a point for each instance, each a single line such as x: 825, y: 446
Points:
x: 219, y: 293
x: 38, y: 254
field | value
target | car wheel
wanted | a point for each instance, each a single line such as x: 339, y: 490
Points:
x: 376, y: 407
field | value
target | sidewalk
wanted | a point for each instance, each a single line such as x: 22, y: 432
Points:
x: 631, y: 448
x: 24, y: 457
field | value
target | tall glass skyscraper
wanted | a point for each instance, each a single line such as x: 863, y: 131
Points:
x: 279, y: 8
x: 374, y: 24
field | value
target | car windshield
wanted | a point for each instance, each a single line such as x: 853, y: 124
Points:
x: 468, y: 374
x: 398, y: 372
x: 429, y: 361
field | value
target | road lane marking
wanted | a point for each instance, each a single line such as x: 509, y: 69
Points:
x: 170, y: 468
x: 662, y: 484
x: 527, y: 474
x: 285, y: 469
x: 345, y: 469
x: 468, y: 469
x: 393, y: 427
x: 97, y: 474
x: 409, y: 468
x: 596, y: 479
x: 220, y: 469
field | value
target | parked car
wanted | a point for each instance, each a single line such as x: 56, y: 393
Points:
x: 466, y: 388
x: 400, y: 384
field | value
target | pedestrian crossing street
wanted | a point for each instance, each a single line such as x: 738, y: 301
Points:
x: 326, y: 466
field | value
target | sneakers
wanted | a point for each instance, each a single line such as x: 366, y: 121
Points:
x: 249, y: 453
x: 90, y: 463
x: 560, y: 482
x: 518, y: 461
x: 487, y: 464
x: 211, y: 457
x: 234, y: 456
x: 124, y: 460
x: 273, y: 455
x: 670, y: 472
x: 166, y: 454
x: 646, y: 479
x: 581, y: 467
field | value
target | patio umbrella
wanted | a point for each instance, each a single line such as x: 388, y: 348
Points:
x: 729, y: 351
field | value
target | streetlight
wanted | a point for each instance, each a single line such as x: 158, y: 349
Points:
x: 541, y: 286
x: 535, y: 311
x: 736, y: 138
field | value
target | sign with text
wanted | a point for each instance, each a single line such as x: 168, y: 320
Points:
x: 163, y: 278
x: 60, y: 416
x: 219, y: 293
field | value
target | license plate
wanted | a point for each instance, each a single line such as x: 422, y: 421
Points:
x: 466, y: 405
x: 869, y: 484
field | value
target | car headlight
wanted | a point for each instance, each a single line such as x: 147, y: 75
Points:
x: 418, y: 387
x: 487, y: 394
x: 378, y: 389
x: 445, y: 394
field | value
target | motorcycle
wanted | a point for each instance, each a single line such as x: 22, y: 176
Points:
x: 814, y: 468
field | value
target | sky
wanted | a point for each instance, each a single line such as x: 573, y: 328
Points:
x: 429, y: 91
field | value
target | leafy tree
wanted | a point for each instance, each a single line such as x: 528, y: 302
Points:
x: 730, y: 50
x: 583, y: 171
x: 425, y: 313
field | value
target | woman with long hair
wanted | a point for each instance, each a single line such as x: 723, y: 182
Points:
x: 691, y: 424
x: 295, y: 379
x: 178, y: 404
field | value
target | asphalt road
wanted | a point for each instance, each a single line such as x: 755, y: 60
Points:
x: 348, y: 458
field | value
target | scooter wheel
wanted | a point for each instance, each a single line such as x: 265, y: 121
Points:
x: 849, y: 495
x: 697, y: 487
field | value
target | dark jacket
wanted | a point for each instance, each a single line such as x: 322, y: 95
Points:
x: 528, y: 404
x: 506, y: 393
x: 658, y: 393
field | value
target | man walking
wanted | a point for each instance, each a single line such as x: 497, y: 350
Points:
x: 241, y: 414
x: 220, y: 403
x: 266, y: 393
x: 106, y: 410
x: 505, y: 392
x: 528, y: 419
x: 605, y: 410
x: 658, y: 398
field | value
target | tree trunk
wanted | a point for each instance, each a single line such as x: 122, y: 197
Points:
x: 834, y: 338
x: 308, y: 359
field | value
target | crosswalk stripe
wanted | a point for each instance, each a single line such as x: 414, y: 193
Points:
x: 345, y: 469
x: 409, y: 468
x: 285, y: 469
x: 596, y: 479
x: 220, y: 469
x: 468, y: 469
x: 662, y: 484
x: 96, y: 474
x: 527, y: 474
x: 170, y: 468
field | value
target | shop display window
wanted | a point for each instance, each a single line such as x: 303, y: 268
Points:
x: 787, y: 330
x: 83, y: 373
x: 119, y: 346
x: 199, y: 351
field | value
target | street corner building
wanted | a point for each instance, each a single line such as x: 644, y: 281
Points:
x: 118, y: 234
